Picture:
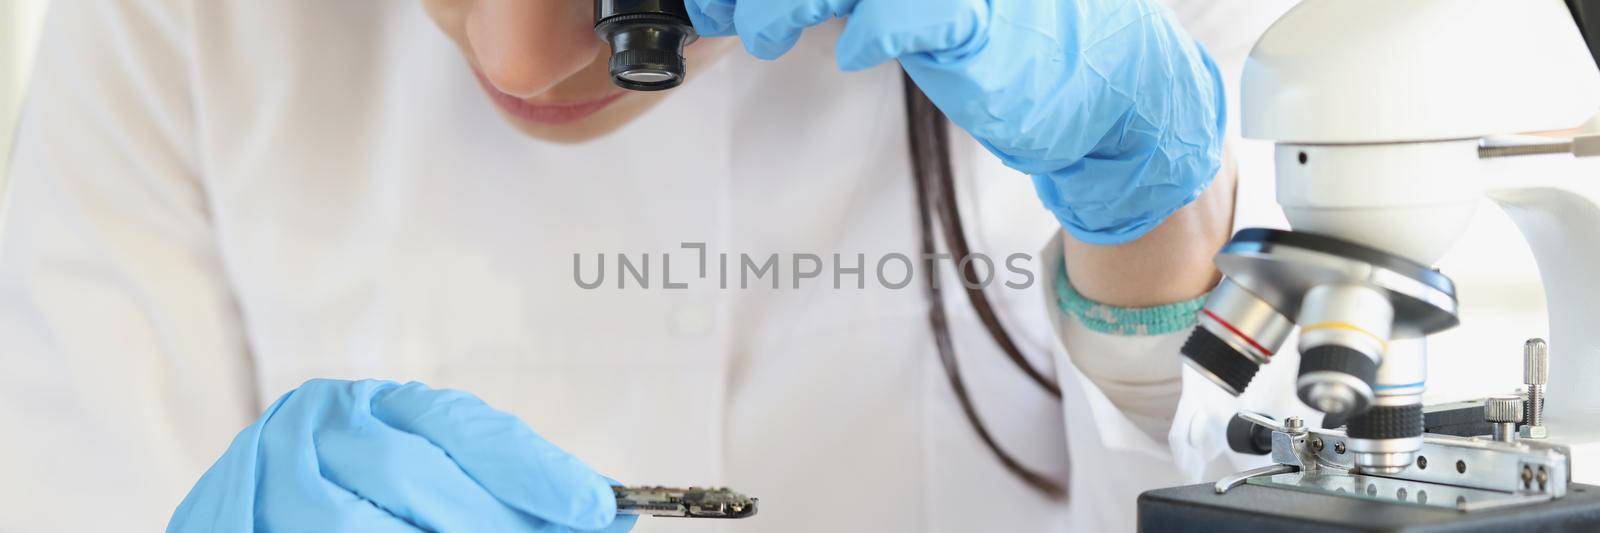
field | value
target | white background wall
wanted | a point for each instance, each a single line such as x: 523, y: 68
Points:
x: 1502, y: 301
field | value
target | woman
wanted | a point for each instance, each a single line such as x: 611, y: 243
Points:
x: 214, y: 202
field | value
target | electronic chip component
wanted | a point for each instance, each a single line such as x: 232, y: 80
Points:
x: 693, y: 502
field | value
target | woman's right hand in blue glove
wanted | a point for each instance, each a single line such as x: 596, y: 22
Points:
x: 1115, y: 111
x: 377, y: 456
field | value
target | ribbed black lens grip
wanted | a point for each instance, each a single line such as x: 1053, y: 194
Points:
x: 1386, y: 422
x: 659, y: 59
x: 1211, y: 353
x: 1332, y: 357
x: 652, y: 17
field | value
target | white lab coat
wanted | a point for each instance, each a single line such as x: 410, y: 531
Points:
x: 215, y: 201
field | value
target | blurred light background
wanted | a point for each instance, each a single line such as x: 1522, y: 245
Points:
x: 1501, y: 296
x: 19, y: 30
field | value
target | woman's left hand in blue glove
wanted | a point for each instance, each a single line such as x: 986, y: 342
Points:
x: 1112, y: 108
x: 378, y: 456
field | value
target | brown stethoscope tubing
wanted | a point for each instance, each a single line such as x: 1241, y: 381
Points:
x: 935, y: 188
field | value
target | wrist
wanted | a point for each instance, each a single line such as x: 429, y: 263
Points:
x: 1171, y: 263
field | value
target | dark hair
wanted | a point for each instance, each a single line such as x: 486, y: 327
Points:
x: 927, y: 129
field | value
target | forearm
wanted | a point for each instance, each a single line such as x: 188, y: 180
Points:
x: 1134, y: 302
x: 1172, y: 263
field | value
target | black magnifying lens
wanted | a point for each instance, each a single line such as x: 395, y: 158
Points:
x: 647, y: 38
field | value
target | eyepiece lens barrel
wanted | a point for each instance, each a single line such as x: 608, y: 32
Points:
x: 647, y: 38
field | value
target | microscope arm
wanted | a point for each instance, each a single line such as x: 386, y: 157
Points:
x: 1555, y: 203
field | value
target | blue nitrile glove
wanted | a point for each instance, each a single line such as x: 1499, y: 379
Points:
x: 377, y: 456
x: 1112, y: 108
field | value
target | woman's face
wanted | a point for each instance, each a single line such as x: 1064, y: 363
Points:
x: 542, y: 66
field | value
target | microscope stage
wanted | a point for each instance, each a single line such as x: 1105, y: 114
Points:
x: 1253, y: 507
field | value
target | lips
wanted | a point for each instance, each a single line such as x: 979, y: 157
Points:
x: 545, y: 112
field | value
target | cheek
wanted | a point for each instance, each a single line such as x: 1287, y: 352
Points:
x: 525, y: 47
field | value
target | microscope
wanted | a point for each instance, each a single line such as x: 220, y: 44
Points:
x: 1392, y: 120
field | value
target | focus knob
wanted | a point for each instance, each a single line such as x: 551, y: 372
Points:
x: 1249, y: 437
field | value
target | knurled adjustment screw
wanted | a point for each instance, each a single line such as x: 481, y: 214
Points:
x: 1535, y: 374
x: 1502, y: 409
x: 1503, y: 412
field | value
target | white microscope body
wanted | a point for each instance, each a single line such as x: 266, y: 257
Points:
x: 1378, y: 109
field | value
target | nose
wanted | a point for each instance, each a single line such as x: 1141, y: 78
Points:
x: 525, y: 47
